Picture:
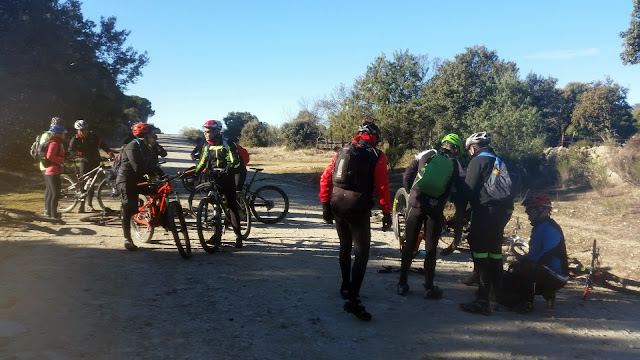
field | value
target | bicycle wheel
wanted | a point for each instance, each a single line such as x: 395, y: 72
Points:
x: 244, y: 213
x: 108, y: 196
x: 199, y: 193
x: 209, y: 224
x: 178, y: 227
x: 399, y: 216
x: 68, y: 194
x: 518, y: 247
x: 141, y: 223
x: 269, y: 204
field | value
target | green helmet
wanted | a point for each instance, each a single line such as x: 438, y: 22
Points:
x: 454, y: 139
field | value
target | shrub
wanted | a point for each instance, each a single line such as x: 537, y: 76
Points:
x: 255, y: 133
x: 573, y: 167
x: 191, y: 133
x: 598, y: 175
x: 627, y: 161
x: 394, y: 155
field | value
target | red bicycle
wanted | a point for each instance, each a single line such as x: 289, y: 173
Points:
x: 160, y: 210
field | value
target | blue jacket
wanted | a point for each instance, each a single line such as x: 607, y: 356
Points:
x: 547, y: 246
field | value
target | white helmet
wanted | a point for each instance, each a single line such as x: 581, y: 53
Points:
x: 81, y: 125
x: 479, y: 138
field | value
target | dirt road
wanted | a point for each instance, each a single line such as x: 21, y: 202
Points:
x: 73, y: 292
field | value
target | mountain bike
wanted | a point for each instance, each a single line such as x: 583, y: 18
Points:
x: 72, y: 192
x: 159, y: 210
x: 516, y: 245
x: 269, y: 204
x: 105, y: 217
x: 212, y: 215
x: 599, y: 276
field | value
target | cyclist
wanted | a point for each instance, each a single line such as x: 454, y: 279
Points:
x: 219, y: 153
x: 138, y: 163
x: 488, y: 219
x: 426, y: 209
x: 55, y: 160
x: 55, y: 121
x: 346, y: 193
x: 545, y: 268
x: 86, y: 146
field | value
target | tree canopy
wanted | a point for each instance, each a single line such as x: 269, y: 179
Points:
x: 631, y: 44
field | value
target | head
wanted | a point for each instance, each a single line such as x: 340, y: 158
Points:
x: 477, y: 141
x: 369, y: 131
x: 82, y: 127
x: 58, y: 131
x: 212, y: 130
x: 453, y: 143
x: 144, y: 131
x: 56, y: 121
x: 537, y: 206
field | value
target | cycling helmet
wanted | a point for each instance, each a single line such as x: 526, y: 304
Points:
x: 453, y: 139
x: 57, y: 129
x: 368, y: 127
x: 535, y: 200
x: 141, y: 129
x: 479, y: 138
x: 212, y: 124
x: 56, y: 121
x: 81, y: 125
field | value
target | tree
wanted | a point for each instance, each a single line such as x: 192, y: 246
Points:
x: 631, y: 53
x: 256, y: 133
x: 301, y: 132
x: 235, y: 121
x: 602, y: 110
x: 137, y: 109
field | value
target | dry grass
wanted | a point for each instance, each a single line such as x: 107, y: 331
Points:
x: 279, y: 160
x: 21, y: 190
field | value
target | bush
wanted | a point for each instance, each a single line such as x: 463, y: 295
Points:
x: 394, y: 155
x: 574, y: 167
x: 627, y: 161
x: 255, y: 133
x: 599, y: 175
x: 191, y: 133
x: 300, y: 134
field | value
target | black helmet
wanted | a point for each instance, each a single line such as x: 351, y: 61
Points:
x: 368, y: 127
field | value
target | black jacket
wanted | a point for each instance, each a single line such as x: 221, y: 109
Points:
x: 139, y: 159
x: 478, y: 173
x: 88, y: 147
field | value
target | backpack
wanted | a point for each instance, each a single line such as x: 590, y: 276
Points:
x: 503, y: 182
x: 39, y: 151
x: 434, y: 176
x: 117, y: 158
x: 35, y: 151
x: 353, y: 168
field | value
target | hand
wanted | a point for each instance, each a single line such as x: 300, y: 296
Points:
x: 193, y: 157
x: 386, y: 221
x: 327, y: 214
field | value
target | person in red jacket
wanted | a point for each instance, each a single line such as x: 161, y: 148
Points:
x: 346, y: 193
x: 55, y: 160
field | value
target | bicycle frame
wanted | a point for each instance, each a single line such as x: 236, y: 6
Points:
x: 90, y: 178
x: 157, y: 203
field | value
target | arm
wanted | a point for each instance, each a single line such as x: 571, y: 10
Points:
x: 326, y: 183
x: 203, y: 158
x: 381, y: 180
x: 104, y: 146
x: 409, y: 175
x: 543, y: 239
x: 73, y: 147
x: 160, y: 150
x: 55, y: 153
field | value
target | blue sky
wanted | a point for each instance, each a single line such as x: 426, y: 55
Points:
x: 210, y: 57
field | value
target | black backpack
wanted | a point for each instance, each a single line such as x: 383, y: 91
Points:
x: 353, y: 168
x: 504, y: 180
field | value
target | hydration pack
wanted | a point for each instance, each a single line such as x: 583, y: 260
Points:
x: 39, y: 151
x: 354, y: 167
x: 503, y: 182
x: 434, y: 176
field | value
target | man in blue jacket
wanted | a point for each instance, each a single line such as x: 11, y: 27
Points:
x: 544, y: 269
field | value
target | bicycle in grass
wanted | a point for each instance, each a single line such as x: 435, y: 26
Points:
x: 213, y: 214
x: 76, y: 190
x: 269, y: 204
x: 596, y: 275
x: 161, y: 208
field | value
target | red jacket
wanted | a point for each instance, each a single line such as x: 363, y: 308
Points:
x: 380, y: 179
x: 55, y: 154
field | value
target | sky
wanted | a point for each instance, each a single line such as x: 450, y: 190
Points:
x: 209, y: 57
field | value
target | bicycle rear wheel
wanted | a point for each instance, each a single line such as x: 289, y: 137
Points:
x: 141, y: 223
x: 399, y: 216
x: 209, y: 224
x: 68, y: 194
x: 108, y: 196
x: 269, y: 204
x: 244, y: 213
x: 178, y: 227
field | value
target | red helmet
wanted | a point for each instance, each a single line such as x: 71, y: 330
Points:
x: 140, y: 129
x: 212, y: 124
x: 536, y: 200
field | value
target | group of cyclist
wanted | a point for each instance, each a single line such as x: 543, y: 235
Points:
x: 346, y: 188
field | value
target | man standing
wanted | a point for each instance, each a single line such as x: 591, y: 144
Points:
x: 346, y: 193
x: 428, y: 179
x: 489, y: 216
x: 86, y: 146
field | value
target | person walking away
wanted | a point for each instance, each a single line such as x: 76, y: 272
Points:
x: 55, y: 121
x: 86, y: 145
x: 138, y: 163
x: 346, y: 193
x: 53, y: 168
x: 545, y: 268
x: 219, y: 153
x: 428, y: 179
x: 488, y: 219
